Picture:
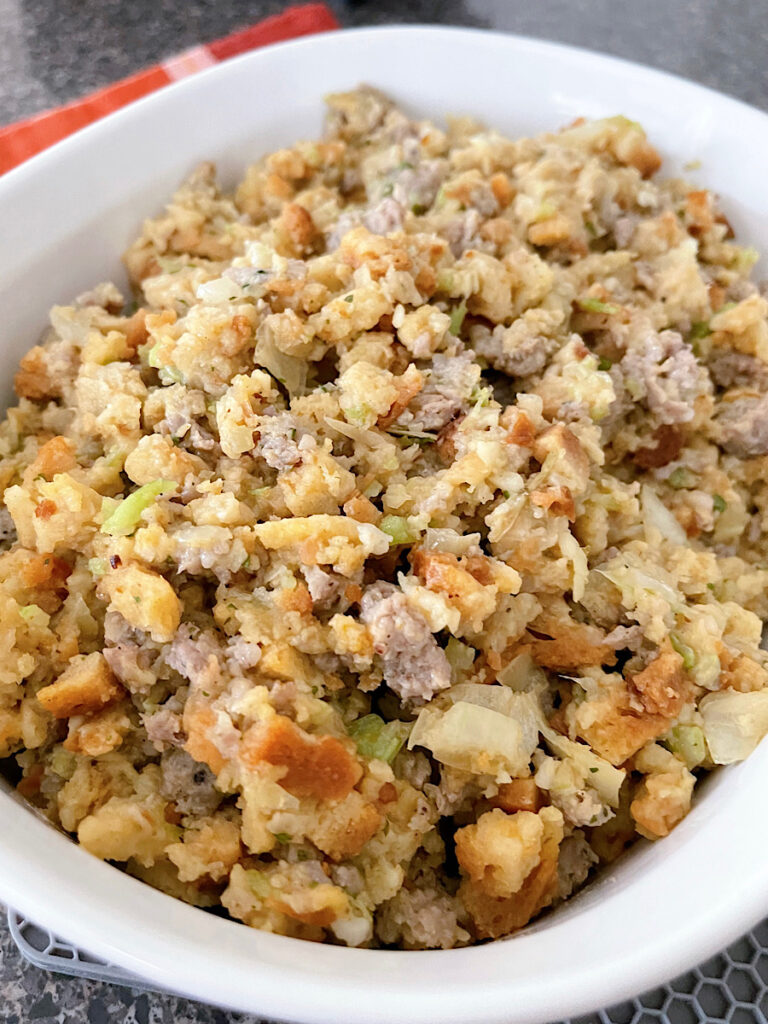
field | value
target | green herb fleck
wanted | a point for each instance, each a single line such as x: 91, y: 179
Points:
x: 604, y: 363
x: 719, y: 504
x: 593, y: 770
x: 349, y: 298
x: 283, y: 837
x: 419, y: 209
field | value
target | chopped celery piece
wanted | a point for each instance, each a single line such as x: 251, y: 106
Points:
x: 63, y: 762
x: 681, y: 477
x: 377, y: 739
x: 259, y: 884
x: 457, y: 317
x: 687, y: 741
x: 719, y: 503
x: 590, y: 305
x: 125, y: 517
x: 153, y: 359
x: 399, y: 529
x: 34, y: 615
x: 97, y: 566
x: 699, y: 329
x: 686, y: 653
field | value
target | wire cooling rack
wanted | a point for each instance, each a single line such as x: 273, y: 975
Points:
x: 731, y: 988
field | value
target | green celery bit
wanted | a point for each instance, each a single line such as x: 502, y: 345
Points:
x: 153, y: 360
x: 34, y: 615
x: 283, y: 837
x: 719, y: 504
x: 97, y: 566
x: 399, y: 530
x: 686, y: 653
x: 63, y: 763
x: 699, y: 329
x: 457, y: 317
x: 379, y: 740
x: 358, y: 414
x: 687, y: 741
x: 681, y: 477
x: 125, y: 518
x: 604, y: 364
x: 590, y: 305
x: 445, y: 281
x: 259, y: 884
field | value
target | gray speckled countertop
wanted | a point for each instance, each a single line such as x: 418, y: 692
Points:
x: 51, y: 52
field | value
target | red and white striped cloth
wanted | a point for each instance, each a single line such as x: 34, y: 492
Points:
x: 23, y: 139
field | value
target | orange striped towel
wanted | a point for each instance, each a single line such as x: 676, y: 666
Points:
x: 23, y: 139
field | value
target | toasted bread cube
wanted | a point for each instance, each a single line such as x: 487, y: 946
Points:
x: 84, y: 687
x: 145, y: 600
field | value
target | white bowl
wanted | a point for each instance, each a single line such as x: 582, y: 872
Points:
x: 64, y: 219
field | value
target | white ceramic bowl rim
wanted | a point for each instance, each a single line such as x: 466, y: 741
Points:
x: 668, y: 905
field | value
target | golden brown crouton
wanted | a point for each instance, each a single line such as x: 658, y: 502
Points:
x: 563, y: 644
x: 145, y: 600
x: 321, y: 767
x: 558, y: 500
x: 408, y: 385
x: 33, y: 380
x: 100, y: 734
x: 663, y: 685
x: 342, y: 829
x: 85, y: 686
x: 550, y: 231
x: 663, y: 800
x: 616, y: 730
x: 442, y: 572
x: 521, y: 430
x: 296, y: 226
x: 518, y: 795
x: 55, y: 456
x: 498, y: 900
x: 740, y: 672
x: 44, y: 572
x: 199, y: 721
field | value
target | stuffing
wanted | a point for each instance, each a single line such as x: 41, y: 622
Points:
x: 398, y: 560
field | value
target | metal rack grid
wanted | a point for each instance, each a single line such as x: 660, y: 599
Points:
x: 732, y: 987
